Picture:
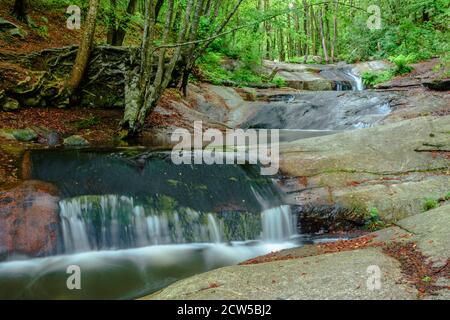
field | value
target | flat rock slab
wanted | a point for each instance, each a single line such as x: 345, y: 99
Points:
x: 431, y: 231
x: 341, y: 275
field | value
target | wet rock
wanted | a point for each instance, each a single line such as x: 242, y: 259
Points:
x: 22, y: 135
x: 49, y: 137
x: 28, y: 219
x: 438, y: 85
x: 313, y: 219
x: 76, y: 141
x: 320, y: 111
x: 11, y: 105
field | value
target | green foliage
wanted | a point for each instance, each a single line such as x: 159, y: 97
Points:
x: 374, y: 222
x: 430, y: 204
x: 241, y: 73
x: 88, y: 123
x: 279, y: 82
x: 447, y: 196
x: 371, y: 79
x: 402, y: 63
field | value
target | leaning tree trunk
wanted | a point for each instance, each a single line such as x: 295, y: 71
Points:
x: 84, y: 50
x: 20, y: 10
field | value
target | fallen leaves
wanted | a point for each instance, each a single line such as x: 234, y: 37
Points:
x: 416, y: 268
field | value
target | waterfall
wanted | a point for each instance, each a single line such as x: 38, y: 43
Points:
x: 277, y: 224
x: 111, y: 222
x: 356, y: 80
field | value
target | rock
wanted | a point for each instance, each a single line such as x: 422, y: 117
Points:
x: 304, y: 273
x: 320, y: 111
x: 371, y: 66
x: 22, y: 135
x: 340, y: 275
x: 379, y: 167
x: 17, y: 33
x: 431, y: 232
x: 11, y: 105
x: 7, y: 25
x: 76, y: 141
x: 248, y: 94
x: 47, y: 136
x: 438, y: 85
x: 29, y: 219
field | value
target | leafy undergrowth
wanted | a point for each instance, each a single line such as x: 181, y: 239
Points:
x: 416, y: 269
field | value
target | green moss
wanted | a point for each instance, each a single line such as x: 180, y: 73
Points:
x: 430, y: 204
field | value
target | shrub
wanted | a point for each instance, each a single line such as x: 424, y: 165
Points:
x: 375, y: 223
x: 371, y: 79
x: 402, y: 63
x: 429, y: 204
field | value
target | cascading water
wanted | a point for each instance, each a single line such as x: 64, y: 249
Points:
x: 277, y: 224
x: 134, y: 223
x: 111, y: 222
x: 357, y: 82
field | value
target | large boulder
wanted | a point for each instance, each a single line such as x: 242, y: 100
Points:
x: 392, y: 168
x: 29, y: 219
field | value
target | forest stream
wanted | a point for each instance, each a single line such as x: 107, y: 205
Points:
x: 135, y: 222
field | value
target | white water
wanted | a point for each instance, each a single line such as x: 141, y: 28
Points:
x: 277, y: 224
x: 123, y: 273
x: 357, y: 81
x: 112, y: 222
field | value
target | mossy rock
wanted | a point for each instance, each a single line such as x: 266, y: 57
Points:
x: 10, y: 104
x: 76, y: 141
x: 22, y: 135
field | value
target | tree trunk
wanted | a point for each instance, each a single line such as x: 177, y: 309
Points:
x: 322, y: 36
x: 20, y: 10
x: 335, y: 30
x: 313, y: 27
x: 117, y: 33
x: 85, y: 48
x: 305, y: 27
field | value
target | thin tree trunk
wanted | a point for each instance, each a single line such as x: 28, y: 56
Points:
x: 85, y: 48
x: 305, y: 27
x: 322, y: 36
x: 117, y: 33
x: 20, y: 10
x: 335, y: 30
x: 312, y: 18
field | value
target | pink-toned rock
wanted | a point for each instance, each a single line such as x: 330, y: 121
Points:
x: 29, y: 219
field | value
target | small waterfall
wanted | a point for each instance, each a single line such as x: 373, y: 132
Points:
x: 277, y: 224
x: 112, y: 222
x: 356, y: 80
x: 214, y: 230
